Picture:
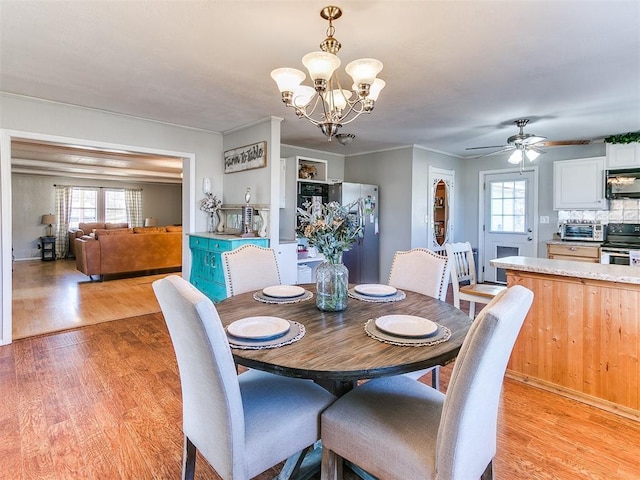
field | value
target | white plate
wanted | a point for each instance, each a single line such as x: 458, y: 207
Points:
x: 406, y: 325
x: 259, y: 328
x: 283, y: 291
x: 375, y: 290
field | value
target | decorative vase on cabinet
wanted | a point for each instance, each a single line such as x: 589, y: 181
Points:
x: 332, y: 284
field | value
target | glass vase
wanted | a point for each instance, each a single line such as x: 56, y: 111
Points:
x: 332, y: 283
x: 212, y: 221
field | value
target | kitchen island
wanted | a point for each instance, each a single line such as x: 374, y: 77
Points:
x: 581, y: 337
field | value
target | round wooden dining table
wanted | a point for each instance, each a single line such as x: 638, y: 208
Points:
x: 335, y: 351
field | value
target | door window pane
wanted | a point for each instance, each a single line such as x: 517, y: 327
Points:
x: 508, y: 206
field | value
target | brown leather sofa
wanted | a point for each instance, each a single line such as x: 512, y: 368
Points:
x: 86, y: 229
x: 127, y: 250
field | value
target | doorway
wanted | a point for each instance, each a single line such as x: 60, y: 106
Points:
x: 508, y: 209
x: 6, y: 137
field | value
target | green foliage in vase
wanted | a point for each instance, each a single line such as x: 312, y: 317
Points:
x: 628, y: 137
x: 329, y: 227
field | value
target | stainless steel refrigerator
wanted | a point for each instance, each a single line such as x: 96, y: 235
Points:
x: 363, y: 259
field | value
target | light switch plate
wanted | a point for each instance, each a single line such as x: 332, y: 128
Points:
x: 544, y: 219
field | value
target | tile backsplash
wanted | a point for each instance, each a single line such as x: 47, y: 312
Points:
x: 625, y: 210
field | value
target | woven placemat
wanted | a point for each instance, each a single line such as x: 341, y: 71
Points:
x: 399, y: 295
x: 442, y: 335
x: 295, y: 333
x: 261, y: 297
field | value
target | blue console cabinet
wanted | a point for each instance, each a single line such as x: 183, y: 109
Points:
x: 206, y: 260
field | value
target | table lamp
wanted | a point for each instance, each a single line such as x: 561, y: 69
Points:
x: 50, y: 220
x: 150, y: 222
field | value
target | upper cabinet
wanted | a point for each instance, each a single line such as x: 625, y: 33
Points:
x: 311, y: 169
x: 579, y: 184
x: 623, y: 155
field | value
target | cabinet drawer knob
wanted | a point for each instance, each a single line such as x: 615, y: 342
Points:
x: 572, y: 249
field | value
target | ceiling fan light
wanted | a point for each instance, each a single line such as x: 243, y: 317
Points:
x: 288, y: 79
x: 364, y: 70
x: 516, y: 157
x: 532, y: 154
x: 320, y: 65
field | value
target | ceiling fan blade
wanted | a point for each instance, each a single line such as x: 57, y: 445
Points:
x: 490, y: 146
x: 533, y: 139
x: 563, y: 143
x: 507, y: 149
x: 535, y: 149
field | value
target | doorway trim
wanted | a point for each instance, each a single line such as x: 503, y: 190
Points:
x: 482, y: 175
x: 6, y: 137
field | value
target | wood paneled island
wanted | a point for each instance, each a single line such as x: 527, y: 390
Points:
x: 581, y: 337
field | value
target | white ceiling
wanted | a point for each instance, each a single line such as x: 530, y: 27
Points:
x: 458, y: 73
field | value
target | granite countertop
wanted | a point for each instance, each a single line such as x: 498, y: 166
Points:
x: 571, y: 243
x: 568, y: 268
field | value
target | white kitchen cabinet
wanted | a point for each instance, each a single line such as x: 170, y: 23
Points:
x: 623, y: 155
x: 579, y: 184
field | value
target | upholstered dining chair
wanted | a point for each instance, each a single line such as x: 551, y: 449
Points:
x: 423, y: 271
x: 420, y: 270
x: 242, y: 424
x: 463, y: 270
x: 248, y: 268
x: 426, y: 434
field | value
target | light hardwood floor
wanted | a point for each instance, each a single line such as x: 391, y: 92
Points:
x: 103, y: 401
x: 54, y: 296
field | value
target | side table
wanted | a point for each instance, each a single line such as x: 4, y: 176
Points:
x: 48, y: 245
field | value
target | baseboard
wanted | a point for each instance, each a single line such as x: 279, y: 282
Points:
x: 600, y: 403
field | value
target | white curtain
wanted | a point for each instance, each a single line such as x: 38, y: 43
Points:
x: 133, y: 203
x: 63, y: 213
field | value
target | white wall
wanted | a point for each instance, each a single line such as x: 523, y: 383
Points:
x: 43, y: 119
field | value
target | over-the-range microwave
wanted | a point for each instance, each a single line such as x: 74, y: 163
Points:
x: 623, y: 183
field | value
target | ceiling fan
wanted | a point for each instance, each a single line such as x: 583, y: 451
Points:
x: 526, y: 144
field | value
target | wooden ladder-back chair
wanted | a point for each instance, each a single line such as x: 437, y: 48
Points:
x: 463, y: 270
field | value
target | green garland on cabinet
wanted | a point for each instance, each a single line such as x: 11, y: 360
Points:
x: 628, y: 137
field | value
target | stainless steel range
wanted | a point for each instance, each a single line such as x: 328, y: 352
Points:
x: 621, y: 239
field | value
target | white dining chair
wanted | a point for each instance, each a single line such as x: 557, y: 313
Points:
x: 241, y: 424
x: 249, y: 268
x: 398, y: 429
x: 463, y: 271
x: 422, y: 271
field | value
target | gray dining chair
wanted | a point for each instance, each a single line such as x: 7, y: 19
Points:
x: 249, y: 268
x: 241, y: 424
x: 399, y: 429
x: 423, y: 271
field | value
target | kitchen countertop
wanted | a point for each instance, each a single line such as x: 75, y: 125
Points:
x: 568, y: 268
x: 572, y: 243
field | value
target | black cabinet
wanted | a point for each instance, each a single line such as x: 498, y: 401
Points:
x: 48, y: 248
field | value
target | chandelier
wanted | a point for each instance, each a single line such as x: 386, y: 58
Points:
x: 327, y: 104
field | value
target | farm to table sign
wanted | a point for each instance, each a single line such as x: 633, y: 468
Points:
x: 246, y: 158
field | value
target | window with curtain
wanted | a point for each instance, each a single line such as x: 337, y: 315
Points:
x: 84, y: 206
x: 115, y: 209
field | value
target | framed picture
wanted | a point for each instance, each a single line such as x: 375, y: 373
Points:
x: 246, y: 158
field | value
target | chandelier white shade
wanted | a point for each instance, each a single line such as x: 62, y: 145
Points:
x: 520, y: 153
x: 326, y: 104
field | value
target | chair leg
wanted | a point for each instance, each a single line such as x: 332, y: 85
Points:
x: 188, y: 460
x: 331, y: 468
x: 472, y: 310
x: 435, y: 377
x: 488, y: 472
